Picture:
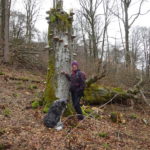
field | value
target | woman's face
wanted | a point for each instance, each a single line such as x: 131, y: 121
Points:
x: 74, y: 67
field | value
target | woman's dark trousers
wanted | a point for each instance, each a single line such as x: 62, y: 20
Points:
x: 76, y: 103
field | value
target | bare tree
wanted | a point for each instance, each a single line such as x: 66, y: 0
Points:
x: 107, y: 17
x: 135, y: 47
x: 89, y: 11
x: 81, y: 22
x: 17, y: 25
x: 5, y: 11
x: 32, y: 8
x: 0, y: 28
x: 128, y: 20
x: 145, y: 32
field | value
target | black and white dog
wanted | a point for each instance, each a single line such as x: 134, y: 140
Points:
x: 53, y: 118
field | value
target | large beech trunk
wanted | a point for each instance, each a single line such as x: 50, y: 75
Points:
x: 60, y: 53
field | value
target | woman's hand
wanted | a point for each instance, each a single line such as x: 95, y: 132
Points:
x: 63, y: 72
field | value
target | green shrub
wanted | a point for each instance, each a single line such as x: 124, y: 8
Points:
x: 35, y: 104
x: 133, y: 116
x: 103, y: 134
x: 46, y: 108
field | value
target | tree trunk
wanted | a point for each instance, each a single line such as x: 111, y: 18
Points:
x: 126, y: 26
x: 6, y: 43
x: 103, y: 42
x: 1, y: 28
x: 94, y: 44
x: 60, y: 42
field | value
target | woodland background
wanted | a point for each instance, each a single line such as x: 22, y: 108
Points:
x: 116, y: 61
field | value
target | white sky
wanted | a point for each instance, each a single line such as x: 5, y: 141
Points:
x: 42, y: 25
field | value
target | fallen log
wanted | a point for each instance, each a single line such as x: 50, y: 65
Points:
x: 7, y: 77
x: 96, y: 95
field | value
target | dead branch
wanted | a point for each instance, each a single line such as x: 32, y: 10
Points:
x: 95, y: 79
x: 144, y: 98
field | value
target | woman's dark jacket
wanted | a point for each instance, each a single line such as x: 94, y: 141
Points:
x: 77, y: 81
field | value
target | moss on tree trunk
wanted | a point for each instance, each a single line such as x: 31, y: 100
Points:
x: 49, y: 93
x: 60, y: 41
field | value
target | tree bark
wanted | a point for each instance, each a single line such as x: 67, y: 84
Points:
x: 127, y: 57
x: 60, y: 42
x: 6, y: 31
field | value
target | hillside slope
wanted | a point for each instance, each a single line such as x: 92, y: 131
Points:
x: 21, y: 127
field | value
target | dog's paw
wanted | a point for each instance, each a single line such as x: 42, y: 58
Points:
x: 59, y: 128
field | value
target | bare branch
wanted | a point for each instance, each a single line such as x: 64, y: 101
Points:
x: 136, y: 15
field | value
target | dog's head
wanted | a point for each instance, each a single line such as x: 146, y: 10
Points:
x: 64, y: 102
x: 60, y: 104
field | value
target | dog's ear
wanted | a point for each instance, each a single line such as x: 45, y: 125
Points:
x: 64, y: 103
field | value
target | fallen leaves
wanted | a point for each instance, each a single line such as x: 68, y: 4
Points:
x: 24, y: 130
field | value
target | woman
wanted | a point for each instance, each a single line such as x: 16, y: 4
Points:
x: 77, y: 85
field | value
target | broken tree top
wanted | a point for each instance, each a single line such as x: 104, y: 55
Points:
x: 58, y: 4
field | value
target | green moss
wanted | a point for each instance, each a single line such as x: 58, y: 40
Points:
x: 35, y: 104
x: 133, y: 116
x: 15, y: 95
x: 2, y: 73
x: 69, y: 111
x: 31, y: 87
x: 6, y: 112
x: 118, y: 90
x: 49, y: 93
x: 52, y: 18
x: 84, y: 113
x: 60, y: 20
x: 96, y: 94
x: 106, y: 146
x: 117, y: 117
x: 87, y: 111
x: 103, y: 135
x: 46, y: 108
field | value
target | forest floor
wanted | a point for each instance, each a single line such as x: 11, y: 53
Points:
x: 21, y: 127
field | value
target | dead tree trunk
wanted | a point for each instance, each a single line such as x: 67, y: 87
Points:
x: 60, y: 38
